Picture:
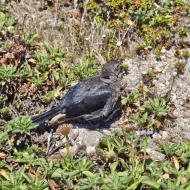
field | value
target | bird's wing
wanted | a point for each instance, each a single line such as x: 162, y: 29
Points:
x: 101, y: 111
x: 86, y: 98
x: 81, y: 90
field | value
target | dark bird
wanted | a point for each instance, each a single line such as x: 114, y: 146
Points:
x: 91, y: 100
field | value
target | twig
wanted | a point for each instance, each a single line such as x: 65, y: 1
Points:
x: 48, y: 141
x: 55, y: 148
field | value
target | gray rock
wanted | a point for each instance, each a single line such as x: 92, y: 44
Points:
x: 90, y: 150
x: 155, y: 155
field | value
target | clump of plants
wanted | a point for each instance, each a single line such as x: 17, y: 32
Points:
x: 121, y: 162
x: 180, y: 66
x: 183, y: 32
x: 45, y: 72
x: 153, y: 21
x: 146, y: 111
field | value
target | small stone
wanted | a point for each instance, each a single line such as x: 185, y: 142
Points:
x: 164, y: 134
x: 119, y: 43
x: 87, y: 39
x: 163, y: 50
x: 174, y: 97
x: 72, y: 150
x: 162, y: 86
x: 156, y: 136
x: 174, y: 73
x: 143, y: 72
x: 149, y: 48
x: 155, y: 155
x: 185, y: 135
x: 90, y: 150
x: 88, y: 137
x: 166, y: 176
x: 154, y: 82
x: 158, y: 69
x: 167, y: 83
x: 32, y: 61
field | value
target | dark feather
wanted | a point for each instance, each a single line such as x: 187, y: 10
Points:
x: 40, y: 119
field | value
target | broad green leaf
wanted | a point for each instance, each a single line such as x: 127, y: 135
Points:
x: 151, y: 182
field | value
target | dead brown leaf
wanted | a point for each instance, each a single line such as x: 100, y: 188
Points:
x: 4, y: 173
x: 128, y: 111
x: 129, y: 127
x: 2, y: 155
x: 63, y: 152
x: 72, y: 150
x: 172, y: 116
x: 176, y: 162
x: 184, y: 180
x: 166, y: 176
x: 158, y: 124
x: 3, y: 61
x: 31, y: 176
x: 32, y: 61
x: 27, y: 88
x: 52, y: 184
x: 55, y: 156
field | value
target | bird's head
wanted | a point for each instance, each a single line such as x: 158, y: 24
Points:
x: 112, y: 70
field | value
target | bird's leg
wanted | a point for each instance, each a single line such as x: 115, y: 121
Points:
x: 55, y: 119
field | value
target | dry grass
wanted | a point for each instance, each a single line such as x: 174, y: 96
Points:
x: 67, y: 28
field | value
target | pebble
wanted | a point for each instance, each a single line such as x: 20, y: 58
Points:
x: 174, y: 73
x: 154, y: 82
x: 164, y: 134
x: 119, y: 43
x: 163, y: 50
x: 167, y: 83
x: 156, y: 136
x: 155, y: 155
x: 90, y: 150
x: 174, y: 97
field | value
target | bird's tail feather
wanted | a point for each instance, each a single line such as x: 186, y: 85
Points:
x: 41, y: 118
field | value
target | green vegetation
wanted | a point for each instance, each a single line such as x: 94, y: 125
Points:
x: 85, y: 67
x: 183, y: 32
x: 34, y: 76
x: 122, y: 162
x: 153, y: 21
x: 19, y: 125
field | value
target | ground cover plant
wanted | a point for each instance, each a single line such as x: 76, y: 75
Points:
x: 34, y: 77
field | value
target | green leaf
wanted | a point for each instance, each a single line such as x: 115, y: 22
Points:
x: 22, y: 124
x: 113, y: 167
x: 58, y: 173
x: 151, y: 182
x: 88, y: 173
x: 2, y: 20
